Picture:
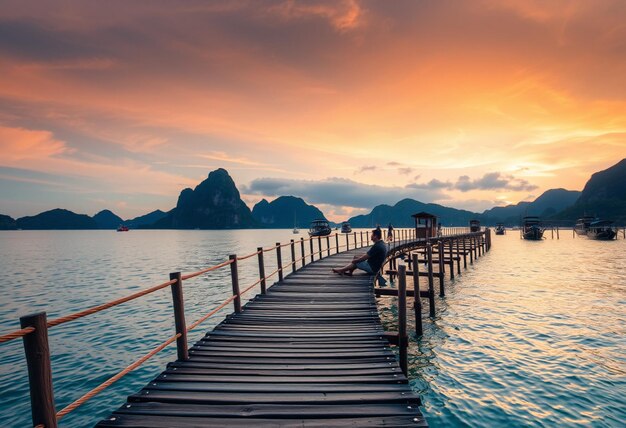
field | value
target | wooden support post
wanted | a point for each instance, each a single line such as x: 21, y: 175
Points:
x: 179, y: 316
x: 458, y: 256
x: 262, y: 268
x: 475, y: 246
x: 293, y: 256
x: 303, y: 254
x: 451, y: 260
x: 557, y: 232
x: 355, y: 242
x: 471, y: 250
x: 431, y: 280
x: 552, y: 231
x: 39, y: 370
x: 319, y: 248
x: 442, y: 271
x: 464, y: 252
x: 417, y: 306
x: 402, y: 336
x: 347, y: 242
x: 337, y: 242
x: 327, y: 245
x: 311, y: 245
x: 234, y: 278
x: 361, y: 233
x: 279, y: 261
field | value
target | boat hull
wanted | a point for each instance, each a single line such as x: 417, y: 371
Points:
x: 320, y: 233
x: 606, y: 235
x: 533, y: 234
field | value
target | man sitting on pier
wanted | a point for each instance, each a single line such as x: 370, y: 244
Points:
x: 370, y: 262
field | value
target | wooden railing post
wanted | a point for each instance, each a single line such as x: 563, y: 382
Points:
x: 337, y: 242
x: 293, y: 256
x: 361, y: 233
x: 179, y: 316
x: 402, y: 336
x: 39, y: 370
x: 355, y: 242
x: 418, y: 300
x: 279, y: 261
x: 302, y: 251
x: 261, y: 270
x: 328, y: 245
x: 458, y: 255
x: 234, y: 278
x: 347, y: 242
x: 471, y: 248
x: 431, y: 280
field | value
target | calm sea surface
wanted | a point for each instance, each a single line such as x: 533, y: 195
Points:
x: 533, y: 334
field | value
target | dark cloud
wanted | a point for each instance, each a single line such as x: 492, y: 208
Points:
x: 493, y: 181
x: 489, y: 181
x: 405, y: 170
x: 338, y: 191
x: 394, y: 163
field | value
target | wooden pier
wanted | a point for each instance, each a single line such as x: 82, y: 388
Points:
x: 309, y: 350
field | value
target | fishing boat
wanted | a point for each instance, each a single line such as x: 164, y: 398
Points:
x: 582, y: 225
x: 122, y: 228
x: 319, y: 227
x: 474, y: 226
x: 601, y: 230
x: 345, y: 227
x: 532, y: 228
x: 500, y: 229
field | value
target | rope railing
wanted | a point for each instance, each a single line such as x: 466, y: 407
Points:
x: 175, y: 282
x: 16, y: 334
x: 111, y: 380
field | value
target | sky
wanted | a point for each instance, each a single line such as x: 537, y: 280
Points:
x: 346, y: 103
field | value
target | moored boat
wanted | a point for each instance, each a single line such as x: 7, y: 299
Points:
x: 345, y: 227
x: 474, y: 225
x: 582, y: 225
x: 319, y: 227
x: 532, y: 228
x: 500, y: 229
x: 601, y: 230
x: 122, y: 228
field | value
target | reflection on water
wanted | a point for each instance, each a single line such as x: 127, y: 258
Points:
x: 531, y: 335
x: 61, y: 272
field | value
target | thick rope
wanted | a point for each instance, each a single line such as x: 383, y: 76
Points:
x: 99, y: 308
x: 16, y: 334
x: 212, y: 268
x: 249, y: 255
x: 213, y: 312
x: 113, y: 379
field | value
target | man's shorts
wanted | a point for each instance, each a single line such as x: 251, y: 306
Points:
x: 364, y: 265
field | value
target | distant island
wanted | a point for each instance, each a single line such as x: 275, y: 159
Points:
x: 216, y: 204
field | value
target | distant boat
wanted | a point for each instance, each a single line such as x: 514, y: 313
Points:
x: 319, y: 227
x: 582, y: 225
x: 345, y: 227
x: 601, y: 230
x: 532, y: 228
x: 122, y: 228
x: 500, y: 229
x: 474, y: 226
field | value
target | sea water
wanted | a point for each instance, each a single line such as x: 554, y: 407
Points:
x: 532, y: 334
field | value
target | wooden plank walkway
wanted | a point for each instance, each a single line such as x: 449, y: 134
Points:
x: 309, y: 353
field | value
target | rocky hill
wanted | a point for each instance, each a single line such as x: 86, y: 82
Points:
x: 213, y: 204
x: 105, y: 219
x: 57, y: 219
x: 146, y: 220
x: 285, y: 212
x: 7, y: 223
x: 604, y: 196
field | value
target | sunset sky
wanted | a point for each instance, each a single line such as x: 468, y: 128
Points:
x: 347, y: 104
